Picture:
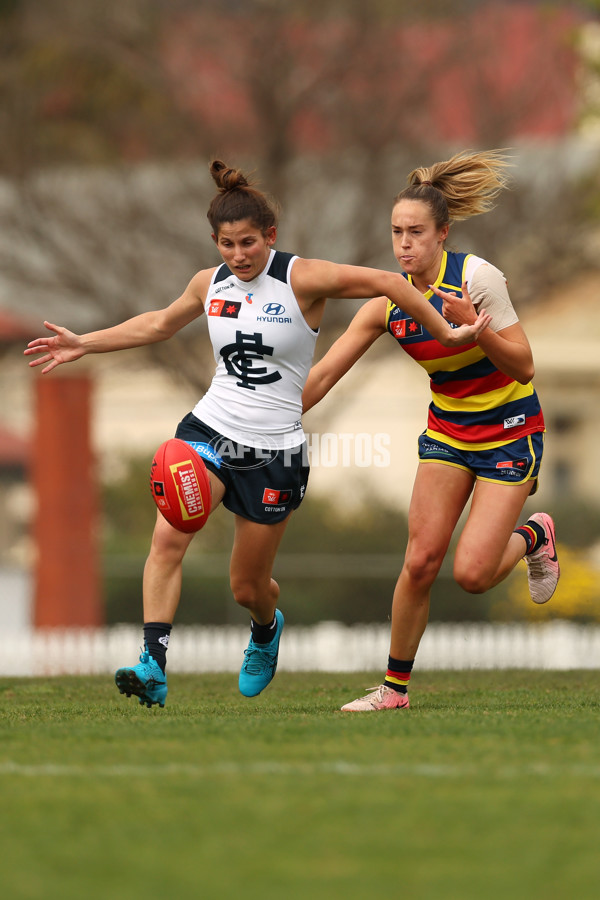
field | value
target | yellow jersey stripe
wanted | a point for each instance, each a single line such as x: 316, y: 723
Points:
x: 452, y: 363
x: 478, y: 402
x: 466, y: 445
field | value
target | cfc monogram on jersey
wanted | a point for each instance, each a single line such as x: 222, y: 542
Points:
x: 263, y: 349
x: 242, y: 359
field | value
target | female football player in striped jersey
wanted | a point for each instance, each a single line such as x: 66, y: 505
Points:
x: 484, y: 434
x: 263, y: 310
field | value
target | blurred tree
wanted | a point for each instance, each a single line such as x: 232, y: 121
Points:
x: 110, y: 112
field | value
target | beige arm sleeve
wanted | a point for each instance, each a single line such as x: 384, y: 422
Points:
x: 488, y: 289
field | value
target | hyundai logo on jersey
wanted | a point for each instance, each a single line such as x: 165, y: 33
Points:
x: 274, y: 309
x: 274, y: 312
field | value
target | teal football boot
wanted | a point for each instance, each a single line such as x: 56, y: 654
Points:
x: 260, y: 662
x: 146, y: 680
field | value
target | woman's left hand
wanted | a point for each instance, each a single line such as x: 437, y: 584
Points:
x: 458, y: 310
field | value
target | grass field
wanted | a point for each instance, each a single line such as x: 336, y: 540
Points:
x: 488, y: 787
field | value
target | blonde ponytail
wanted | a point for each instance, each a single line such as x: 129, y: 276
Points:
x: 468, y: 183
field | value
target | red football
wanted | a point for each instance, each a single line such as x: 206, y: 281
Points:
x: 180, y: 486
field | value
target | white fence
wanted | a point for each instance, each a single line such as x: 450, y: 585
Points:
x: 326, y: 647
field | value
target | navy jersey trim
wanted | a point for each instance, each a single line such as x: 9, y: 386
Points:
x: 278, y: 268
x: 222, y: 273
x: 475, y: 370
x: 280, y: 265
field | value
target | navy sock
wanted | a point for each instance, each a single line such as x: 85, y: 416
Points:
x: 263, y: 634
x: 156, y: 638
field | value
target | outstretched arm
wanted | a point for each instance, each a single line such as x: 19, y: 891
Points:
x: 148, y: 328
x: 366, y: 326
x: 315, y: 279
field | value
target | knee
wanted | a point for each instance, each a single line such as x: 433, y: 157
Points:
x: 246, y: 593
x: 473, y: 579
x: 421, y: 567
x: 168, y: 544
x: 250, y: 593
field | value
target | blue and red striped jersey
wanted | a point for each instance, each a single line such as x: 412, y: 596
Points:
x: 474, y: 405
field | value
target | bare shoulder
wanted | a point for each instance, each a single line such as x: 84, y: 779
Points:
x: 191, y: 303
x: 313, y: 279
x: 199, y: 284
x: 374, y: 309
x: 371, y: 316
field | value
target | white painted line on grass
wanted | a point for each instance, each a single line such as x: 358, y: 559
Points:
x: 271, y: 768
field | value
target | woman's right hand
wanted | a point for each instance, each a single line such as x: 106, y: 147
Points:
x: 468, y: 334
x: 64, y: 346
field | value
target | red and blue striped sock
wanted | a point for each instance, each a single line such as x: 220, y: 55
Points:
x: 533, y: 534
x: 398, y: 674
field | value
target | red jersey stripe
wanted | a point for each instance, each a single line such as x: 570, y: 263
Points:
x: 479, y: 434
x: 467, y: 387
x: 430, y: 350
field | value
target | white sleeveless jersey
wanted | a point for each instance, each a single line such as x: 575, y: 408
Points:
x: 263, y: 348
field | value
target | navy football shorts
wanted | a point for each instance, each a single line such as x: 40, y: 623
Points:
x: 261, y: 485
x: 512, y: 463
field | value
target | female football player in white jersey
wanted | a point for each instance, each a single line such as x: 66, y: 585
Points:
x: 484, y: 435
x: 263, y: 311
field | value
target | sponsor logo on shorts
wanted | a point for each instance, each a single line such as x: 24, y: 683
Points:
x: 429, y: 450
x: 272, y: 497
x: 206, y: 452
x: 513, y: 421
x: 224, y: 309
x: 519, y: 464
